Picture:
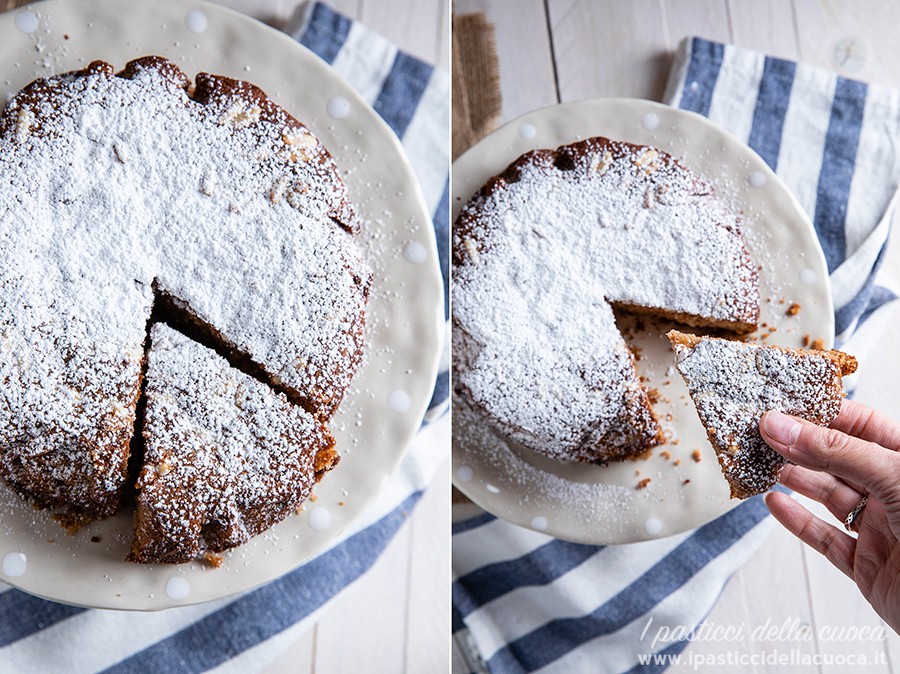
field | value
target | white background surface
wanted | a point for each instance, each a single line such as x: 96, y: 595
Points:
x: 396, y: 618
x: 563, y: 50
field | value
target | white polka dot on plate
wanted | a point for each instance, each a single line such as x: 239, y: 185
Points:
x: 338, y: 107
x: 196, y: 21
x: 320, y: 518
x: 491, y: 488
x: 653, y: 526
x: 178, y: 587
x: 415, y: 252
x: 650, y: 121
x: 27, y: 21
x: 399, y: 401
x: 465, y: 473
x: 539, y: 523
x: 527, y: 131
x: 808, y: 276
x: 756, y: 179
x: 14, y: 564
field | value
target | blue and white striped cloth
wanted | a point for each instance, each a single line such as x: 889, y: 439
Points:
x: 525, y: 602
x: 243, y: 634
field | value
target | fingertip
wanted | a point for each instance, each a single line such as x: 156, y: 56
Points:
x: 777, y: 502
x: 770, y: 499
x: 785, y: 510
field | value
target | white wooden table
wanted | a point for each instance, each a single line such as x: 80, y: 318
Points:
x: 396, y: 618
x: 564, y: 50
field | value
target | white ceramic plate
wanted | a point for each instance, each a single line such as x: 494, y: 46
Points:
x: 390, y: 393
x: 601, y: 505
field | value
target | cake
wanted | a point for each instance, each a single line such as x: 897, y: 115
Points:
x: 133, y: 194
x: 733, y: 384
x: 225, y: 457
x: 542, y: 254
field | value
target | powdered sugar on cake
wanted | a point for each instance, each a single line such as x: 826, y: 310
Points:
x: 114, y: 185
x: 226, y: 457
x: 733, y: 384
x: 539, y: 256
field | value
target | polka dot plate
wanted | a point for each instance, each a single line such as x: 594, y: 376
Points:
x: 679, y: 486
x: 384, y: 408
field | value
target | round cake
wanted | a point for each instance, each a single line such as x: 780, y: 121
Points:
x: 139, y: 197
x: 542, y: 254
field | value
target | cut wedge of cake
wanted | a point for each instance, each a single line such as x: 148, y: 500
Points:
x: 225, y: 456
x: 733, y: 384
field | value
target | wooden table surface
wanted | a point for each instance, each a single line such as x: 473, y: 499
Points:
x: 396, y: 618
x: 563, y: 50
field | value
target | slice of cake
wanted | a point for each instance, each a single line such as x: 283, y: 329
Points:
x: 225, y: 456
x: 733, y: 384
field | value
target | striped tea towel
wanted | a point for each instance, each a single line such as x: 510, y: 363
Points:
x: 523, y: 601
x: 243, y: 634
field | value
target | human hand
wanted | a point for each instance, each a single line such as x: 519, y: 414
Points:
x: 858, y: 455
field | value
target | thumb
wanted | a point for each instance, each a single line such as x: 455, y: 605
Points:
x: 867, y: 464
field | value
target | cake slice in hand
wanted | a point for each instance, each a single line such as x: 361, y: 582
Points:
x: 733, y: 384
x: 225, y: 456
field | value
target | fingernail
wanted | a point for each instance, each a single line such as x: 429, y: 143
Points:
x: 781, y: 428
